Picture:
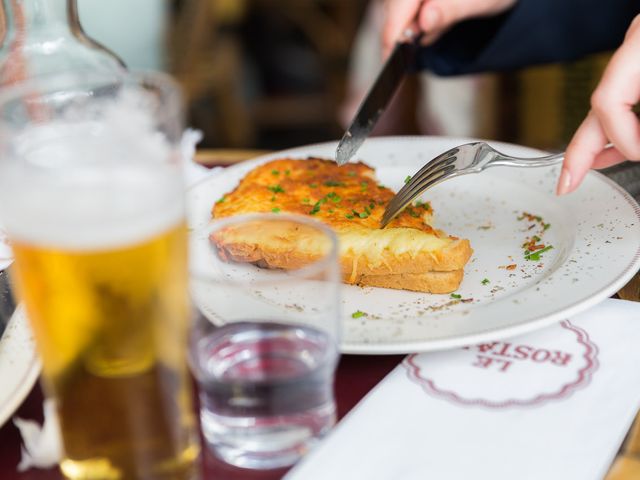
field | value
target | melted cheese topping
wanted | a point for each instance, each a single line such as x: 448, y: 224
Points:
x: 342, y: 197
x: 372, y: 243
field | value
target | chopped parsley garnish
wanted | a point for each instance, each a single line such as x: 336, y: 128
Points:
x: 424, y: 205
x: 273, y: 199
x: 533, y: 247
x: 349, y: 216
x: 334, y: 197
x: 408, y: 179
x: 275, y: 172
x: 275, y: 210
x: 535, y: 256
x: 318, y: 204
x: 352, y: 174
x: 276, y: 188
x: 287, y: 172
x: 358, y: 314
x: 331, y: 210
x: 485, y: 281
x: 222, y: 199
x: 530, y: 217
x: 372, y: 205
x: 363, y: 215
x: 381, y: 187
x: 456, y: 296
x: 364, y: 185
x: 333, y: 183
x: 412, y: 212
x: 305, y: 200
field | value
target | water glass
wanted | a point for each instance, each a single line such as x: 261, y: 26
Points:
x: 264, y: 345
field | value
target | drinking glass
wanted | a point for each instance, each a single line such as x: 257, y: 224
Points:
x: 92, y: 200
x: 264, y: 345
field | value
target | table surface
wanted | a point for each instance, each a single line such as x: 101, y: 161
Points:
x: 355, y: 377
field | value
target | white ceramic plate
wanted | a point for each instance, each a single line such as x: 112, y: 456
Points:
x: 6, y: 257
x: 595, y: 234
x: 19, y: 364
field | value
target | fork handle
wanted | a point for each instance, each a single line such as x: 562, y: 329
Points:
x: 505, y: 161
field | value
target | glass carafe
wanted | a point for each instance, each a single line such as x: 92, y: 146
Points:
x: 44, y: 37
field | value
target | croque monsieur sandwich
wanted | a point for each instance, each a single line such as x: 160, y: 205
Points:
x: 408, y: 254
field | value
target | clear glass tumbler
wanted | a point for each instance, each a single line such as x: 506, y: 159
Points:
x: 92, y: 200
x: 264, y: 344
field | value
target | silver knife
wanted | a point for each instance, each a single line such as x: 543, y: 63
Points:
x: 7, y: 300
x: 401, y: 61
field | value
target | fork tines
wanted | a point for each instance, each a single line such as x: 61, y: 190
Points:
x: 433, y: 172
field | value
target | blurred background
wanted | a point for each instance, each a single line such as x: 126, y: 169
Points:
x: 271, y: 74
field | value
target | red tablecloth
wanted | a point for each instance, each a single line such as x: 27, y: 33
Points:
x: 356, y: 376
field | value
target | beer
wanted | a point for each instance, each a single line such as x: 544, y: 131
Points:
x: 110, y: 325
x: 102, y: 271
x: 91, y: 196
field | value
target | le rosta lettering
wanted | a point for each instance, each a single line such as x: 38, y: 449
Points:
x: 501, y: 355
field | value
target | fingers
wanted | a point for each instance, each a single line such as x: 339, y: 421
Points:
x: 430, y: 18
x: 588, y: 141
x: 399, y: 15
x: 433, y: 17
x: 611, y: 119
x: 613, y: 99
x: 608, y: 157
x: 437, y: 16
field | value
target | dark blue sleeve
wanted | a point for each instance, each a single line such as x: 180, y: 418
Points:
x: 532, y: 32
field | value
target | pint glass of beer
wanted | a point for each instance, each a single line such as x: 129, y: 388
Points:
x: 91, y: 196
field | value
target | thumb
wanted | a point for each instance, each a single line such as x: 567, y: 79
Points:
x: 399, y: 15
x: 438, y: 15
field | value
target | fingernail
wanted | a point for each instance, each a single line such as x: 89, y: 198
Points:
x: 431, y: 18
x: 564, y: 183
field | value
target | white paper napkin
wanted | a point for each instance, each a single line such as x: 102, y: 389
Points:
x: 554, y: 404
x: 42, y: 447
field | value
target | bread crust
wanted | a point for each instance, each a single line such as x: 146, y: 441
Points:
x: 429, y: 282
x: 289, y: 246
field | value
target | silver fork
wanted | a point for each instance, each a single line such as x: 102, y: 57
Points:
x: 468, y: 158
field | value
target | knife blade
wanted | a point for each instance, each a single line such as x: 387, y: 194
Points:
x: 400, y: 62
x: 7, y: 300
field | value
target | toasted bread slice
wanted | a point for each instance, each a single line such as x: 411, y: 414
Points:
x: 351, y: 202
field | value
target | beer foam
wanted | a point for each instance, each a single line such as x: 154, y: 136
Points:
x: 92, y: 218
x: 70, y: 186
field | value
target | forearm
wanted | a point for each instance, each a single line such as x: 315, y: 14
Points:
x: 532, y: 32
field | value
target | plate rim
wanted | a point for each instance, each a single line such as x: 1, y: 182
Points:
x: 406, y: 347
x: 540, y: 322
x: 24, y: 384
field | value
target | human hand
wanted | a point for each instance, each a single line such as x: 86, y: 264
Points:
x: 432, y: 17
x: 611, y: 119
